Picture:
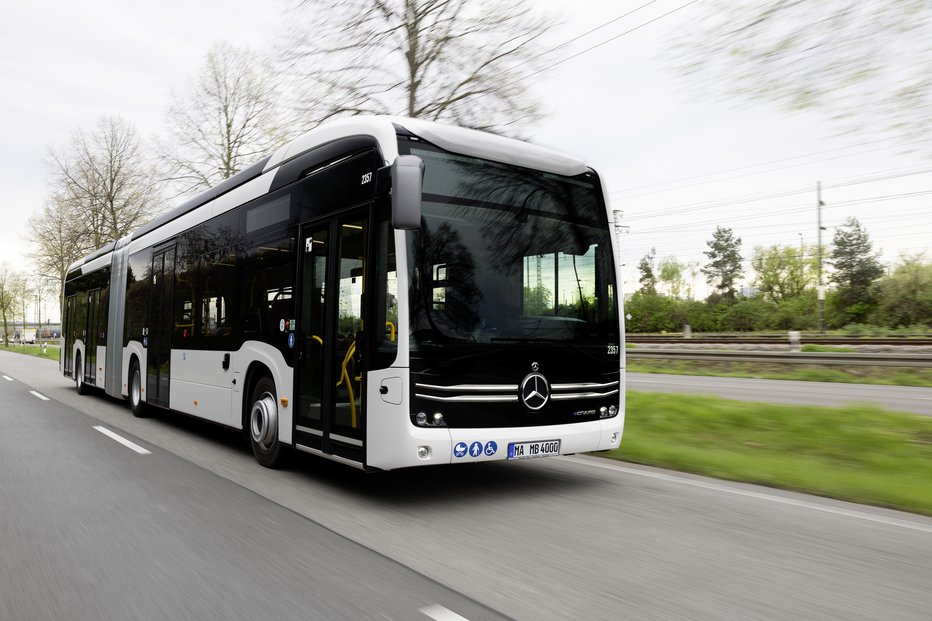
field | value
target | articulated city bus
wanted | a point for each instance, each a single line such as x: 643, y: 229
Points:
x: 383, y: 292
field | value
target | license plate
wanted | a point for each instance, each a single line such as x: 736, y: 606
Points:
x: 528, y: 450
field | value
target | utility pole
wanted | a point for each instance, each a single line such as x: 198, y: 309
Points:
x: 819, y: 288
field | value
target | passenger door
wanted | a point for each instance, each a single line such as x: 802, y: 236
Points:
x: 90, y: 343
x: 330, y: 369
x: 160, y: 327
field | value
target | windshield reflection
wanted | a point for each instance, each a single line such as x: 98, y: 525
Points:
x: 509, y: 254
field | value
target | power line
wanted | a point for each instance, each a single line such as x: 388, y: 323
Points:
x: 588, y: 32
x: 622, y: 194
x: 787, y: 210
x: 752, y: 198
x: 618, y: 36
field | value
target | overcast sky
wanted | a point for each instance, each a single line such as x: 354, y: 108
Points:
x: 675, y: 165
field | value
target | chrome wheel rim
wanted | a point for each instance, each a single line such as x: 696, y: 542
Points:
x: 263, y: 421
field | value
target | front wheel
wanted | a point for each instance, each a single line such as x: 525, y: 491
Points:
x: 263, y: 424
x: 135, y: 390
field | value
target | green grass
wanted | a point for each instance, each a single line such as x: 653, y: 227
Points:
x: 859, y: 454
x: 828, y: 348
x: 890, y: 376
x: 32, y: 350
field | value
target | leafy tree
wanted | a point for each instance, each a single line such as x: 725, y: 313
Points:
x: 58, y: 239
x: 646, y: 270
x: 456, y: 60
x: 724, y: 266
x: 672, y: 275
x: 104, y: 181
x: 780, y: 272
x: 905, y: 295
x: 857, y: 266
x: 840, y: 56
x: 12, y: 290
x: 537, y: 300
x: 223, y: 122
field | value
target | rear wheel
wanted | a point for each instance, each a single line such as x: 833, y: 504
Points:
x: 135, y: 390
x: 263, y: 424
x: 79, y: 376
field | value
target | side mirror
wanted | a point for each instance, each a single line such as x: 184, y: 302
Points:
x: 407, y: 185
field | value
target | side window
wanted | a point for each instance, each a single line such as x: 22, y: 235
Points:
x: 138, y: 277
x: 269, y: 289
x: 386, y: 295
x: 218, y: 293
x: 183, y: 305
x: 102, y: 315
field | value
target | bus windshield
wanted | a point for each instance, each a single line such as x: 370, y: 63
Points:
x: 507, y: 254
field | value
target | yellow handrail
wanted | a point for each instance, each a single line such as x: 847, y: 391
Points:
x: 344, y: 374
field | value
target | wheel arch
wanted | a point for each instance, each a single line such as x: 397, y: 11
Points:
x: 256, y: 370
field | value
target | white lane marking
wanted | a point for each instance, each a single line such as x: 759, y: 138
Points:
x: 439, y: 613
x: 122, y: 440
x: 41, y: 396
x: 8, y: 378
x: 793, y: 502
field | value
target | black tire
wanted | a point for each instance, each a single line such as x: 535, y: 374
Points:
x: 79, y: 382
x: 262, y: 424
x: 134, y: 385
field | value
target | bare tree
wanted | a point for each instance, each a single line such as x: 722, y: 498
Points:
x: 455, y: 60
x: 104, y: 182
x: 58, y: 240
x: 12, y: 290
x: 225, y: 120
x: 868, y: 64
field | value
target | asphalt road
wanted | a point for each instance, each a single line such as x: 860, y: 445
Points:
x: 564, y: 538
x: 94, y: 528
x: 900, y: 398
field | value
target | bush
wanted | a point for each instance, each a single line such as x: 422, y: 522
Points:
x: 746, y: 315
x: 650, y: 312
x: 799, y: 313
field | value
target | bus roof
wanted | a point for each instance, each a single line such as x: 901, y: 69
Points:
x: 385, y: 130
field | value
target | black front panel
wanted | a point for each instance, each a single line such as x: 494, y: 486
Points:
x: 513, y: 313
x: 485, y: 386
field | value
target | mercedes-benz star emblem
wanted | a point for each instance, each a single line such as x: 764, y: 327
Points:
x: 535, y: 391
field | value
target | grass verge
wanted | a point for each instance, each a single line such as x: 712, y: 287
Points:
x: 859, y: 454
x: 33, y: 350
x: 891, y: 376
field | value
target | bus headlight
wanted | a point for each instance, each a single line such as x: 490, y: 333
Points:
x: 422, y: 419
x: 423, y: 452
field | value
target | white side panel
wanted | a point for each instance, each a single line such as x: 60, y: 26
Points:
x: 96, y: 264
x: 200, y: 386
x: 208, y: 402
x: 391, y: 439
x: 101, y: 365
x: 243, y: 194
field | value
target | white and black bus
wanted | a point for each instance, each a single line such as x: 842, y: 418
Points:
x: 383, y: 292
